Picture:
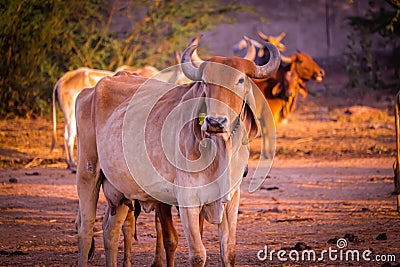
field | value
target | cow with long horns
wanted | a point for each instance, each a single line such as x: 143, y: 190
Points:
x: 282, y: 89
x: 164, y: 151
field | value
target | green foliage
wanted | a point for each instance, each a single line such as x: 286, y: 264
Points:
x: 42, y: 39
x: 362, y: 64
x: 167, y: 26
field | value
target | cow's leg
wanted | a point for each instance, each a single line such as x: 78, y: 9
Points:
x: 190, y: 224
x: 69, y: 138
x: 88, y: 187
x: 266, y: 152
x: 128, y: 230
x: 265, y: 144
x: 111, y: 233
x: 227, y: 231
x: 169, y: 233
x: 158, y: 260
x: 70, y: 142
x: 201, y: 224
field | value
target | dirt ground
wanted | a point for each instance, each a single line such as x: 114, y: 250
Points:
x: 331, y: 178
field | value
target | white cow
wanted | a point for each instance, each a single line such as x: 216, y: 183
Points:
x: 73, y: 82
x: 67, y: 90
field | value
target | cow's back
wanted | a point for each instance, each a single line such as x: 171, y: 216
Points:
x: 101, y: 113
x: 85, y: 126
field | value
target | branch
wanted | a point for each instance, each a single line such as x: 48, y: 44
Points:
x: 394, y: 3
x: 105, y: 31
x: 75, y: 47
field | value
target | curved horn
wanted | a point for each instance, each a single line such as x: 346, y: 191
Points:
x: 272, y: 66
x: 286, y: 60
x: 281, y: 36
x: 262, y: 35
x: 274, y: 40
x: 196, y: 60
x: 190, y: 70
x: 251, y: 50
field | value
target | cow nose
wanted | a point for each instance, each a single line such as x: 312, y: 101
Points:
x: 216, y: 124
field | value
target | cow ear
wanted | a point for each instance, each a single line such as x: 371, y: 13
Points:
x: 277, y: 89
x: 251, y: 124
x: 250, y: 119
x: 123, y: 73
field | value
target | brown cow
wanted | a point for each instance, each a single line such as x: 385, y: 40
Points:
x: 282, y: 89
x: 119, y: 139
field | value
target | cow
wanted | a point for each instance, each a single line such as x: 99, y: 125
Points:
x: 281, y: 90
x: 262, y: 54
x: 107, y: 118
x: 396, y: 168
x: 73, y: 82
x: 66, y: 90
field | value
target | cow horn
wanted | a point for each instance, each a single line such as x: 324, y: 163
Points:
x: 271, y: 67
x: 281, y: 36
x: 286, y: 60
x: 196, y: 60
x: 188, y: 68
x: 251, y: 50
x: 274, y: 40
x: 262, y: 35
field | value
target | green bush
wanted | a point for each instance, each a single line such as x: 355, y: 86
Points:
x: 42, y: 39
x: 365, y: 69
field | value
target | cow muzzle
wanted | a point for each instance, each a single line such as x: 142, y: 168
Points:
x: 319, y: 76
x: 215, y: 125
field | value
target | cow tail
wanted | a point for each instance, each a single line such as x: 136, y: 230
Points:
x: 53, y: 141
x: 136, y: 213
x: 91, y: 251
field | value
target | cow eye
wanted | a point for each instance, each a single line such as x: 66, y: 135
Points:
x: 241, y: 80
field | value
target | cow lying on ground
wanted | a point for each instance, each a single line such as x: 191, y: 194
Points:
x: 214, y: 153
